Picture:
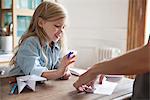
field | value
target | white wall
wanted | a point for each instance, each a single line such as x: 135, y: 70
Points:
x: 95, y: 24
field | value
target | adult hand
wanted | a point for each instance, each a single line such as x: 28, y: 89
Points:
x: 85, y: 82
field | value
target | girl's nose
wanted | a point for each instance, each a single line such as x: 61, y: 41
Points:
x: 61, y: 30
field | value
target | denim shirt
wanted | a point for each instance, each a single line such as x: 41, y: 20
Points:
x: 30, y: 58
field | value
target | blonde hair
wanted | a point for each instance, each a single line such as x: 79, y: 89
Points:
x: 46, y: 10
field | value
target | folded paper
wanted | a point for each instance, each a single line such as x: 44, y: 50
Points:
x: 28, y: 80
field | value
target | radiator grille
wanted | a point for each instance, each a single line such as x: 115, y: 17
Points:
x: 108, y: 53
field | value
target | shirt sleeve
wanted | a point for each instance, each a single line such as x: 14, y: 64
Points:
x: 28, y: 58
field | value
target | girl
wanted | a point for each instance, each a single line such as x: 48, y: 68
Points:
x: 39, y: 49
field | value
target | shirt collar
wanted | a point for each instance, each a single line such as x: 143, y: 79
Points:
x: 56, y: 45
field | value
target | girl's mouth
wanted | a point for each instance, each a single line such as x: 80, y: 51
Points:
x: 57, y: 36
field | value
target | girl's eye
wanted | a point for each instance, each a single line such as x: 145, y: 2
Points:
x: 57, y: 26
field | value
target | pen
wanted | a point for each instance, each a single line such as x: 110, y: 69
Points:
x: 69, y: 54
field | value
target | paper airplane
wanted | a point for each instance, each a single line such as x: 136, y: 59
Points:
x: 28, y: 80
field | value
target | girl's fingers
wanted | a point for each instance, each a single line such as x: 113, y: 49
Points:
x: 66, y: 76
x: 73, y: 58
x: 70, y: 62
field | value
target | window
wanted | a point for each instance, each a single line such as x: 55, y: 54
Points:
x: 136, y: 23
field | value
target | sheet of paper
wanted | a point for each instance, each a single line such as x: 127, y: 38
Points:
x: 77, y: 71
x: 29, y: 80
x: 105, y: 88
x: 114, y: 78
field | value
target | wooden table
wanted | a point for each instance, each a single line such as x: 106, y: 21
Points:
x: 63, y: 90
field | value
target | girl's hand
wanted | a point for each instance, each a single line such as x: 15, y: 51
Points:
x: 66, y: 75
x: 65, y: 62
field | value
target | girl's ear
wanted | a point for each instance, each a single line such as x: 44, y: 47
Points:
x: 40, y: 22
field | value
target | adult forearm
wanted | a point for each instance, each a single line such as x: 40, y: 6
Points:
x: 134, y: 62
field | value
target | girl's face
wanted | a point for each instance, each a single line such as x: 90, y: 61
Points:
x: 54, y: 29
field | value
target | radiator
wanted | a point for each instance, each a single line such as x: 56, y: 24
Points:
x: 108, y: 53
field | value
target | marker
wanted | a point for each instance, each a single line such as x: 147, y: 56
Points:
x: 13, y: 88
x: 11, y: 83
x: 69, y: 54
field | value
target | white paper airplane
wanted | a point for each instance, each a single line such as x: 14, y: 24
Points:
x: 28, y: 80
